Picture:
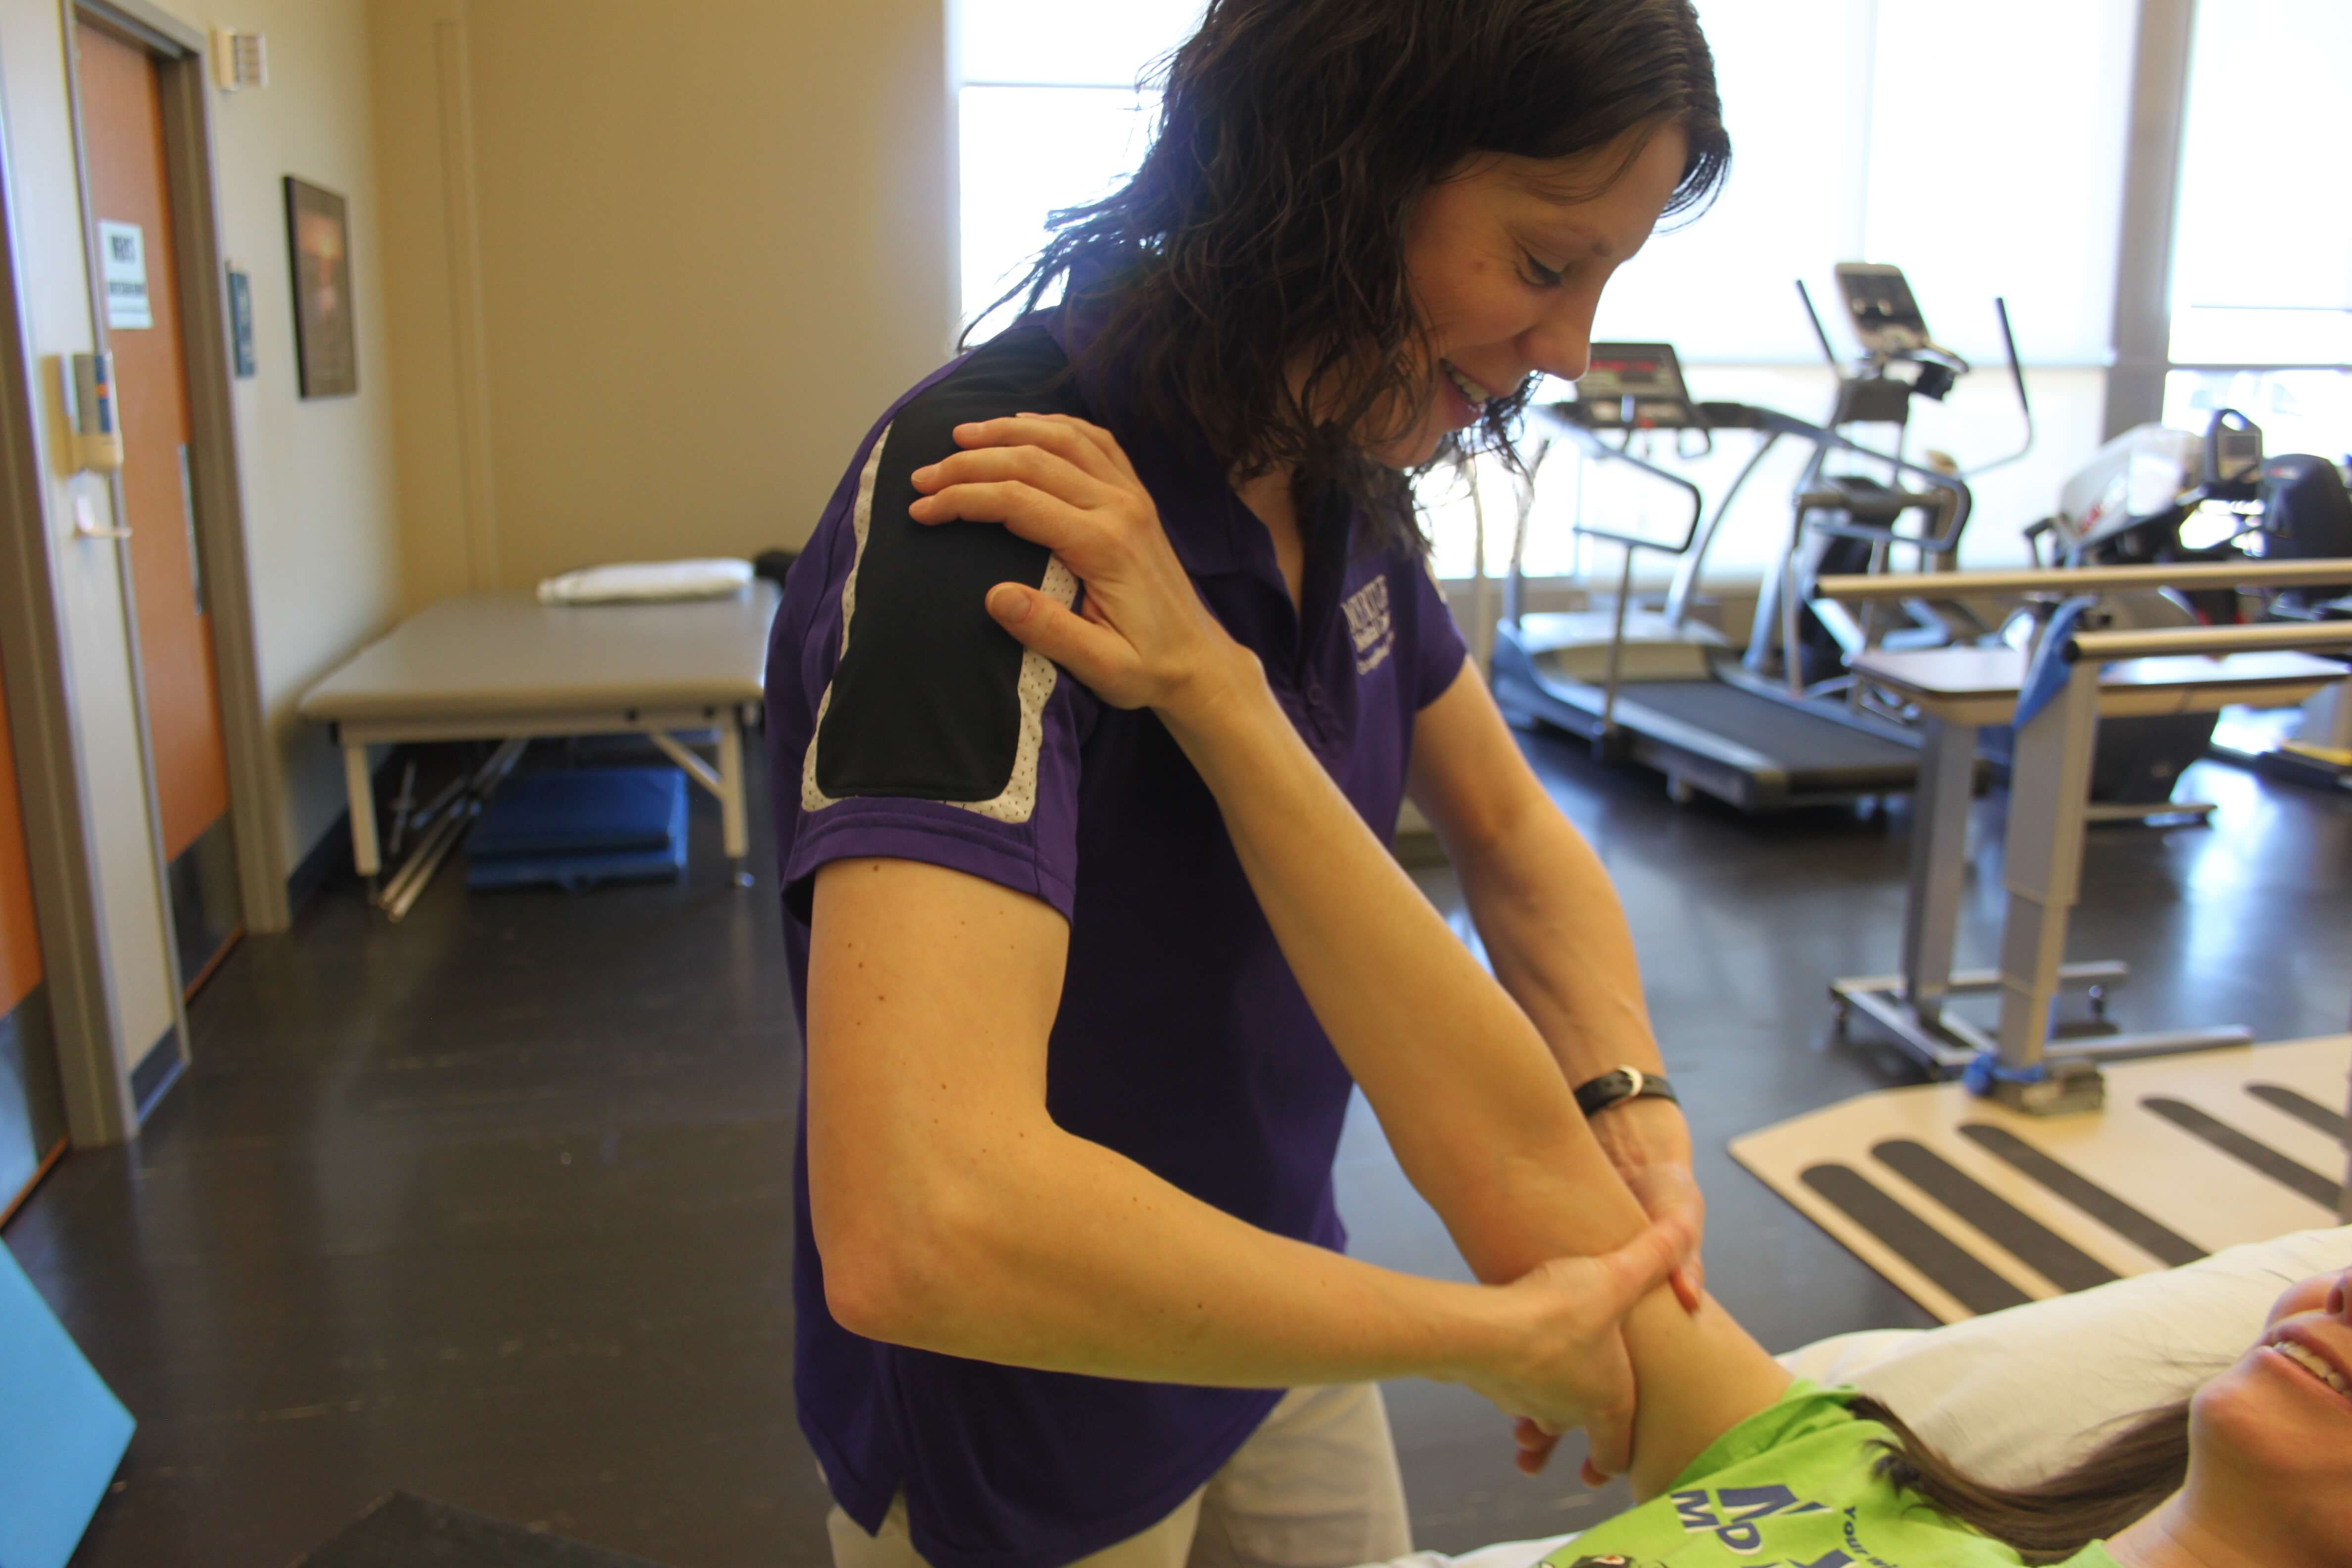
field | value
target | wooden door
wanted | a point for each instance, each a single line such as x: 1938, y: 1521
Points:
x: 32, y: 1113
x: 130, y: 203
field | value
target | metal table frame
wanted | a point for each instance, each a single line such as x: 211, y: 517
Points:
x: 503, y: 666
x: 2049, y: 811
x: 661, y: 726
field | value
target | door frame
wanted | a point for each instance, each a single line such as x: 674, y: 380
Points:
x: 180, y: 53
x: 75, y: 961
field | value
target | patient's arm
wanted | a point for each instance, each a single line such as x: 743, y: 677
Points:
x: 1479, y: 1115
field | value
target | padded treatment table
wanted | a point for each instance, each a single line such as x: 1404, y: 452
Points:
x: 505, y: 667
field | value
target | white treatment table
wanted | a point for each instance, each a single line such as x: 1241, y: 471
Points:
x: 505, y: 667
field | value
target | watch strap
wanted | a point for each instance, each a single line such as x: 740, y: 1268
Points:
x: 1619, y: 1085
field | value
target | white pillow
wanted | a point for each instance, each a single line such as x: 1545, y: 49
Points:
x: 2017, y: 1394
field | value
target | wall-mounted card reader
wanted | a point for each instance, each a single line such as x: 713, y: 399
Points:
x: 86, y: 384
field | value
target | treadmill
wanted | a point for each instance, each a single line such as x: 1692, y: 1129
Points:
x: 1658, y: 690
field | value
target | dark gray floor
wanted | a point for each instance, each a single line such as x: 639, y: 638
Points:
x: 492, y: 1206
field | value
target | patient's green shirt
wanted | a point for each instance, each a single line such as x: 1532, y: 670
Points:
x: 1792, y: 1488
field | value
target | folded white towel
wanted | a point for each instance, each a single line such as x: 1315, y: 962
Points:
x: 638, y: 581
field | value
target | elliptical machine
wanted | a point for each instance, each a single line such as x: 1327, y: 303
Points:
x: 1852, y: 506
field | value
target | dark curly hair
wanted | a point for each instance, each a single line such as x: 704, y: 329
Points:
x: 1266, y: 227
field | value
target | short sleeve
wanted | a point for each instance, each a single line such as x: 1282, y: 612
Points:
x: 937, y: 737
x: 1439, y: 650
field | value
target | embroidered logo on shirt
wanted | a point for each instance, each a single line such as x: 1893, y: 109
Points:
x: 1369, y: 623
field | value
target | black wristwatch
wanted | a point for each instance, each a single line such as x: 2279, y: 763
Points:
x: 1617, y: 1087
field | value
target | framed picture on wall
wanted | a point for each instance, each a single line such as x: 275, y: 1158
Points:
x: 319, y: 233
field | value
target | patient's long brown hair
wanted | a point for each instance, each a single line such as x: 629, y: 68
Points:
x: 2121, y: 1481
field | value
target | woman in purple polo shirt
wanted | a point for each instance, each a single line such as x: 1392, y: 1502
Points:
x: 1068, y: 1277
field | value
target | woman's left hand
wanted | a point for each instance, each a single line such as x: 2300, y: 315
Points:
x: 1142, y: 637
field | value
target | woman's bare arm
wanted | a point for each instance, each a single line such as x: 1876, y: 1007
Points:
x: 1491, y: 1132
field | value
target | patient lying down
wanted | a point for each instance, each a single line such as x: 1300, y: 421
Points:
x: 2256, y: 1469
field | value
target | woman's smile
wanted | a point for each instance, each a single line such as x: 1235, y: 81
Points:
x: 1468, y: 397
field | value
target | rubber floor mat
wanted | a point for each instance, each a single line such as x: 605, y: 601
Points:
x: 1969, y: 1206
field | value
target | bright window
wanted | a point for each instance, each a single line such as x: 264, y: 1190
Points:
x: 1051, y: 114
x: 1914, y: 131
x: 1027, y: 152
x: 1911, y: 132
x: 2299, y: 410
x: 1069, y: 43
x: 2262, y: 254
x: 1721, y: 288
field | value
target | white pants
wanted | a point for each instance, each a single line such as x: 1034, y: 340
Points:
x: 1316, y: 1485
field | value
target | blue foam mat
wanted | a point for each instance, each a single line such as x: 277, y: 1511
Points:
x: 577, y: 829
x: 62, y: 1431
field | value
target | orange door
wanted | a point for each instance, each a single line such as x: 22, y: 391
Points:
x: 32, y: 1116
x: 122, y: 134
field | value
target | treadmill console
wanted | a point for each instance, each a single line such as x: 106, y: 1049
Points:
x: 1879, y: 303
x: 1636, y: 385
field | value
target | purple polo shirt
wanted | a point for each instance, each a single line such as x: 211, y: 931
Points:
x: 903, y: 724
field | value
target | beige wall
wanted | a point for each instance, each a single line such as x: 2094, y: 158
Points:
x: 653, y: 268
x: 631, y: 280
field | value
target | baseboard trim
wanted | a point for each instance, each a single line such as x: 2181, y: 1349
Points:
x: 157, y: 1071
x: 327, y: 860
x: 329, y: 857
x: 49, y: 1162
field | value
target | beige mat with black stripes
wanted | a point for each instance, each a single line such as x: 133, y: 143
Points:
x: 1969, y: 1206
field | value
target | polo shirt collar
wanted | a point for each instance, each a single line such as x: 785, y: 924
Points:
x: 1210, y: 530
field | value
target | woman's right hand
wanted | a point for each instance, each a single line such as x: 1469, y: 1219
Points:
x: 1141, y: 636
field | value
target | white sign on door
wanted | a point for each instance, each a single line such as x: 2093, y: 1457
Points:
x: 123, y: 251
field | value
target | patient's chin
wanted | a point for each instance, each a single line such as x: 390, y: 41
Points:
x: 2270, y: 1468
x: 2276, y: 1450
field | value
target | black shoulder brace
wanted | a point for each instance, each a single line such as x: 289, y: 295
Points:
x: 931, y: 699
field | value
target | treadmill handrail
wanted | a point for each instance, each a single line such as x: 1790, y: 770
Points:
x: 2248, y: 572
x: 1686, y: 576
x: 1591, y: 442
x: 2157, y: 642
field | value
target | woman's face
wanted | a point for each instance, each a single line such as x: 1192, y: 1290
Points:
x: 1508, y: 259
x: 2271, y: 1438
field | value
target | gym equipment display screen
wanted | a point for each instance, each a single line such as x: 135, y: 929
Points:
x: 1640, y: 385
